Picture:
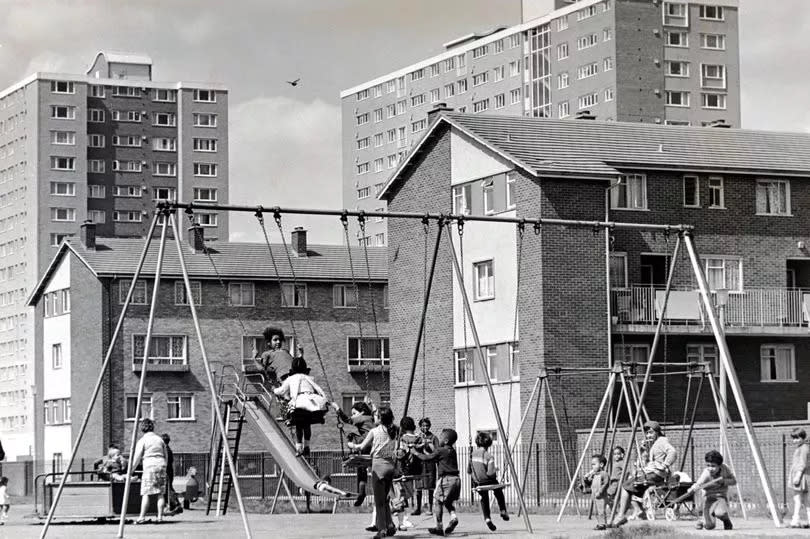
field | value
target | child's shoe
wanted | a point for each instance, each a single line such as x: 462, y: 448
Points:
x: 416, y: 512
x: 371, y: 528
x: 359, y: 501
x: 795, y: 524
x: 491, y: 525
x: 451, y: 526
x: 600, y: 527
x: 406, y: 524
x: 436, y: 531
x: 727, y: 525
x: 699, y: 525
x: 504, y: 515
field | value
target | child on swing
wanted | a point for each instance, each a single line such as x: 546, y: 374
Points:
x: 483, y: 471
x: 362, y: 419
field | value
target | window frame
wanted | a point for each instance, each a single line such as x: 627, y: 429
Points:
x: 706, y: 264
x: 57, y: 358
x: 488, y: 195
x: 462, y: 193
x: 699, y: 354
x: 146, y: 400
x: 696, y: 203
x: 776, y: 347
x: 479, y: 293
x: 123, y: 288
x: 243, y: 285
x: 180, y: 297
x: 179, y: 396
x: 360, y: 361
x: 342, y: 294
x: 615, y: 197
x: 290, y: 296
x: 160, y: 360
x: 511, y: 180
x: 786, y: 183
x: 721, y: 191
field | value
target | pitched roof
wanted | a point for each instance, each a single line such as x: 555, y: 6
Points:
x: 246, y: 261
x: 598, y: 149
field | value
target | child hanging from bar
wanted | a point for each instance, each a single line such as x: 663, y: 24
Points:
x: 483, y: 471
x: 714, y: 481
x: 362, y: 419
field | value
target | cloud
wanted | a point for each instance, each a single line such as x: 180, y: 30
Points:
x: 285, y: 152
x: 51, y: 62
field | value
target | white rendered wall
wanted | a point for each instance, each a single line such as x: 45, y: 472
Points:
x: 468, y: 162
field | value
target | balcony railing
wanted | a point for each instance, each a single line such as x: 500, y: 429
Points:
x: 749, y: 308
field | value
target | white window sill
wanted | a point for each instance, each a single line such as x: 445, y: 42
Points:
x: 717, y: 208
x: 774, y: 214
x: 630, y: 209
x: 779, y: 381
x: 696, y: 207
x: 131, y: 420
x: 344, y: 306
x: 488, y: 298
x: 679, y: 106
x: 182, y: 419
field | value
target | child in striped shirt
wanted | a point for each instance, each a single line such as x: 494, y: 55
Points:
x: 483, y: 471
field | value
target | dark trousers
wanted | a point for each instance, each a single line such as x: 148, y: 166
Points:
x: 498, y: 493
x: 382, y: 476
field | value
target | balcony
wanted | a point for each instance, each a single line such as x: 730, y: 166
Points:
x: 753, y: 311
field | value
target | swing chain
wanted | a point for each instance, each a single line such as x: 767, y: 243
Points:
x: 460, y: 224
x: 277, y: 217
x: 538, y: 227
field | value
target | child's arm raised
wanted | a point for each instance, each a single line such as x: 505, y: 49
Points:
x: 365, y: 444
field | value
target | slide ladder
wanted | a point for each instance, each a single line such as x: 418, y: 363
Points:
x: 220, y: 481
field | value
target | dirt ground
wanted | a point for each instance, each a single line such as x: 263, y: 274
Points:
x: 197, y: 525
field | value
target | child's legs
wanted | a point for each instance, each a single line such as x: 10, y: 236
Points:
x: 600, y: 507
x: 709, y: 521
x: 307, y: 429
x: 485, y: 504
x: 798, y: 499
x: 362, y: 479
x: 498, y: 493
x: 720, y: 510
x: 299, y: 433
x: 438, y: 498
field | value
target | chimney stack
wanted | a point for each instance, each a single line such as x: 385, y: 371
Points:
x: 88, y: 235
x: 299, y: 241
x: 438, y: 109
x: 196, y: 238
x: 585, y: 115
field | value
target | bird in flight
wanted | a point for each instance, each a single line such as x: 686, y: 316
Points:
x: 293, y: 82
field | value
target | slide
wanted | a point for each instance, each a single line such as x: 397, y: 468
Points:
x: 283, y: 451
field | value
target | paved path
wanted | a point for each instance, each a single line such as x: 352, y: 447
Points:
x: 194, y: 524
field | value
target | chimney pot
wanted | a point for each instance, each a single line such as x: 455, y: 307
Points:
x: 88, y: 235
x: 196, y: 238
x: 585, y: 115
x: 299, y: 241
x: 436, y: 110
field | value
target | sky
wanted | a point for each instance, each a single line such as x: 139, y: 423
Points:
x: 285, y: 141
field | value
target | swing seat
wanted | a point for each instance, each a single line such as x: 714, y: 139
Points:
x: 357, y: 461
x: 404, y: 478
x: 487, y: 488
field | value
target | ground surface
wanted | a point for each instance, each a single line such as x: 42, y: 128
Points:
x: 195, y: 524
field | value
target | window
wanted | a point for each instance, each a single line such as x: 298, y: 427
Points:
x: 713, y: 101
x: 205, y: 169
x: 56, y: 238
x: 562, y: 81
x: 363, y: 192
x: 723, y: 272
x: 146, y: 407
x: 63, y: 189
x: 378, y: 164
x: 125, y: 91
x: 677, y: 39
x: 562, y: 51
x: 608, y: 94
x: 588, y: 70
x: 586, y: 13
x: 127, y: 216
x: 167, y: 119
x: 497, y: 46
x: 363, y: 143
x: 379, y: 140
x: 96, y: 141
x: 481, y: 51
x: 716, y: 192
x: 67, y: 138
x: 691, y: 191
x: 97, y: 216
x: 587, y: 41
x: 511, y: 178
x: 362, y: 94
x: 713, y: 41
x: 130, y: 191
x: 241, y: 294
x: 166, y: 144
x: 488, y: 188
x: 773, y: 197
x: 126, y: 116
x: 127, y: 141
x: 562, y: 23
x: 205, y: 219
x: 210, y: 120
x: 514, y: 96
x: 618, y: 270
x: 480, y: 78
x: 631, y: 353
x: 164, y: 193
x: 139, y: 294
x: 165, y: 169
x: 481, y: 106
x: 589, y: 100
x: 419, y: 74
x: 461, y: 86
x: 62, y: 87
x: 63, y: 163
x: 418, y: 125
x: 462, y: 199
x: 96, y: 166
x: 378, y: 115
x: 56, y: 356
x: 461, y: 64
x: 514, y: 360
x: 168, y: 96
x: 367, y: 351
x: 676, y: 14
x: 209, y: 96
x: 415, y: 101
x: 293, y: 295
x: 514, y: 41
x: 713, y: 76
x: 704, y: 353
x: 484, y: 280
x: 205, y: 194
x: 203, y: 144
x: 180, y: 407
x: 607, y: 34
x: 97, y: 91
x: 712, y: 13
x: 164, y: 350
x: 607, y: 64
x: 777, y: 363
x: 677, y: 69
x: 96, y: 116
x: 629, y: 192
x: 677, y: 98
x: 127, y: 166
x: 96, y: 191
x: 344, y: 296
x: 500, y: 101
x: 63, y: 214
x: 464, y: 367
x: 401, y: 105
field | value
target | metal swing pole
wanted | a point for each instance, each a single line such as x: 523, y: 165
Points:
x: 100, y: 380
x: 734, y: 381
x: 420, y: 332
x: 648, y: 372
x: 231, y: 465
x: 483, y: 364
x: 560, y: 436
x: 531, y: 438
x: 608, y: 391
x: 144, y: 367
x: 526, y: 412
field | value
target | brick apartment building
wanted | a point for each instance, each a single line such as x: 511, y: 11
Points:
x: 668, y: 62
x: 102, y: 145
x: 80, y: 298
x: 746, y: 193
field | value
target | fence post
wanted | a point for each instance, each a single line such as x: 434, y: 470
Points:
x: 82, y: 468
x: 262, y: 468
x: 537, y: 470
x: 693, y: 457
x: 784, y: 470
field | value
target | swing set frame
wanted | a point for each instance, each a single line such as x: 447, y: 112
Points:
x: 167, y: 211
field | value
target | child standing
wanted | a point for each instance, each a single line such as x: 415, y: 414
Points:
x: 428, y: 442
x: 363, y: 420
x: 617, y: 468
x: 4, y: 499
x: 448, y: 484
x: 483, y: 471
x: 715, y: 480
x: 799, y: 469
x: 408, y: 466
x: 599, y: 480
